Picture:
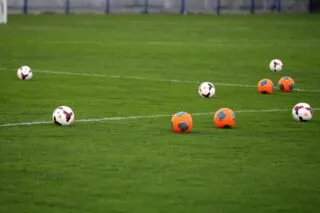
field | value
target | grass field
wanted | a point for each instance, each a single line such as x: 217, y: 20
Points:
x: 121, y: 66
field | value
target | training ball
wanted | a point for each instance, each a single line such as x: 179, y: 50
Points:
x: 63, y: 116
x: 181, y: 122
x: 224, y: 118
x: 24, y: 73
x: 265, y: 86
x: 276, y: 65
x: 207, y: 90
x: 286, y: 84
x: 302, y: 112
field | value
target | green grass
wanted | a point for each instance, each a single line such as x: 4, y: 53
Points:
x: 267, y: 163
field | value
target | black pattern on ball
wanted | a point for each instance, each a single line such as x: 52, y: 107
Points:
x: 221, y: 115
x: 291, y: 86
x: 55, y: 121
x: 301, y: 119
x: 68, y: 115
x: 24, y: 76
x: 227, y: 127
x: 183, y: 126
x: 263, y: 82
x: 207, y: 95
x: 296, y: 109
x: 281, y: 86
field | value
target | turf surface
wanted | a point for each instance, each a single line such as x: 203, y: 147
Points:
x: 93, y: 63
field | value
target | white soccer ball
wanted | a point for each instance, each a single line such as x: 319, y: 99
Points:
x: 63, y: 116
x: 207, y: 90
x: 276, y: 65
x: 302, y: 112
x: 24, y: 73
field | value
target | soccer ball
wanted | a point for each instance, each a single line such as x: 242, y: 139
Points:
x: 286, y: 84
x: 265, y: 86
x: 302, y: 112
x: 224, y: 118
x: 24, y: 73
x: 276, y: 65
x: 181, y: 122
x: 207, y: 90
x: 63, y: 116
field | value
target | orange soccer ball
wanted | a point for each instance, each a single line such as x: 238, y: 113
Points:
x: 286, y: 84
x: 224, y: 118
x: 181, y: 122
x: 265, y: 86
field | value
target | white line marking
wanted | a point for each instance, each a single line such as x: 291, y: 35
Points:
x: 119, y: 118
x: 159, y: 79
x: 117, y: 76
x: 26, y: 123
x: 151, y: 79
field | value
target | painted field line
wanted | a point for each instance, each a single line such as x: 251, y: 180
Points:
x: 151, y: 79
x: 134, y: 78
x: 116, y: 76
x: 120, y: 118
x: 157, y: 79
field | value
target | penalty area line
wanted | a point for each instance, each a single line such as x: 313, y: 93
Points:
x: 120, y: 118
